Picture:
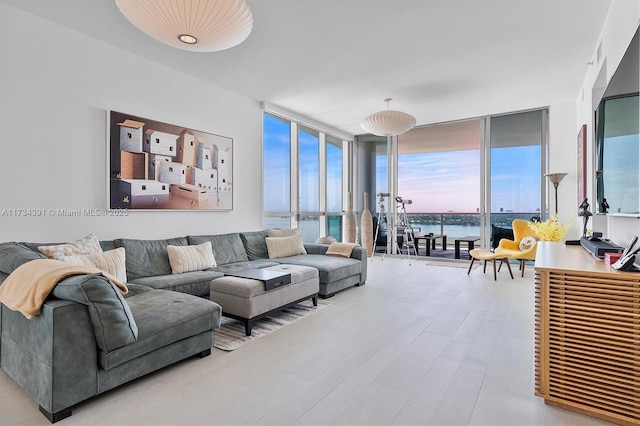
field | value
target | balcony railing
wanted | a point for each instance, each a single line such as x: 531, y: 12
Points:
x: 458, y: 224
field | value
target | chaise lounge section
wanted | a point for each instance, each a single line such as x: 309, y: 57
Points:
x: 88, y: 338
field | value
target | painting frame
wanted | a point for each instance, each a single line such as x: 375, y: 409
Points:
x: 158, y: 166
x: 581, y: 171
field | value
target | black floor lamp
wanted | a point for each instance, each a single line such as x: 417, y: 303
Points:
x: 555, y: 179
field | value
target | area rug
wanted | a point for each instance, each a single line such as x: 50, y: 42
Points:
x: 230, y: 336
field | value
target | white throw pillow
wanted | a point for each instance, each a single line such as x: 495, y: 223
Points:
x: 282, y: 232
x: 112, y: 262
x: 285, y: 246
x: 86, y: 245
x: 527, y: 242
x: 191, y: 258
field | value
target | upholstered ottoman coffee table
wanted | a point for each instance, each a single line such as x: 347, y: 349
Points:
x: 247, y: 299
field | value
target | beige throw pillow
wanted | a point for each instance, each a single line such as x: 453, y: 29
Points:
x: 282, y: 232
x: 191, y: 258
x: 112, y: 262
x: 285, y: 246
x: 86, y: 245
x: 340, y: 249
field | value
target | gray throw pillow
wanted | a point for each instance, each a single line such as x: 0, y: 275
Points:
x: 13, y: 255
x: 112, y: 321
x: 255, y: 244
x: 148, y: 258
x: 227, y: 248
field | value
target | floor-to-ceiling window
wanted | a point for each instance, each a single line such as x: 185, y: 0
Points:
x: 462, y: 177
x: 334, y: 185
x: 516, y: 166
x: 276, y: 171
x: 305, y: 172
x: 308, y: 183
x: 439, y: 172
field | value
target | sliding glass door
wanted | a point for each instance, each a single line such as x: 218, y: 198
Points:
x: 439, y: 172
x: 514, y: 182
x: 464, y: 178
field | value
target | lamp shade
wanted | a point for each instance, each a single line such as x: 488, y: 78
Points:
x: 388, y: 123
x: 556, y: 178
x: 196, y: 25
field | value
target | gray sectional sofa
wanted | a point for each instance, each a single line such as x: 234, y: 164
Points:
x: 147, y: 262
x: 89, y: 338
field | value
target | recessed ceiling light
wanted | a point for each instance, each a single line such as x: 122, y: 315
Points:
x: 186, y: 38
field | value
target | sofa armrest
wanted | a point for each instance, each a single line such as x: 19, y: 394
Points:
x: 360, y: 253
x: 53, y: 356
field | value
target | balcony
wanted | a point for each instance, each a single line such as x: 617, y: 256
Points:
x: 452, y: 224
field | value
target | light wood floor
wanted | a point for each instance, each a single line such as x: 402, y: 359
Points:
x: 417, y: 345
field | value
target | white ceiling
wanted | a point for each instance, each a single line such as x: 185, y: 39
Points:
x: 335, y: 61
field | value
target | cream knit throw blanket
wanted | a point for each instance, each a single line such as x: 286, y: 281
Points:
x: 29, y: 285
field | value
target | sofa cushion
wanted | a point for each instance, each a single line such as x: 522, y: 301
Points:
x: 282, y: 232
x: 190, y: 258
x: 196, y: 282
x: 13, y: 255
x: 227, y: 248
x: 107, y: 245
x: 135, y: 289
x: 112, y: 262
x: 85, y: 245
x: 146, y: 258
x: 255, y: 244
x: 331, y: 268
x: 112, y: 321
x: 285, y: 246
x: 163, y: 317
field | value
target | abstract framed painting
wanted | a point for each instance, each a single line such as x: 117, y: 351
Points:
x: 160, y: 166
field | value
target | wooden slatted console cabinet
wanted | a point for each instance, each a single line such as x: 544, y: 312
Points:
x: 587, y: 334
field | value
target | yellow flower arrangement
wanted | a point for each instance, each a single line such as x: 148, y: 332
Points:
x: 551, y: 230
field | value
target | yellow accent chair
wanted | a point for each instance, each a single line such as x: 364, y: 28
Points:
x: 514, y: 249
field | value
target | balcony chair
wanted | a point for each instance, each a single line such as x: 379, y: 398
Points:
x: 514, y: 249
x: 498, y: 233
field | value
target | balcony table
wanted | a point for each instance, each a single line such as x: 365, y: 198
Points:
x: 470, y: 240
x: 430, y: 242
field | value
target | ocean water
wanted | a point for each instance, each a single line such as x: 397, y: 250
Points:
x: 455, y: 225
x: 451, y: 231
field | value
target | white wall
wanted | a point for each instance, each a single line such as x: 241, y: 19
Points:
x: 562, y: 158
x: 620, y: 25
x: 55, y: 88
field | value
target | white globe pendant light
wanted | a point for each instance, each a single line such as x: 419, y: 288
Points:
x: 388, y: 123
x: 196, y: 25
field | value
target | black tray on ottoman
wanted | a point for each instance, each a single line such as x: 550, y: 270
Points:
x: 271, y: 279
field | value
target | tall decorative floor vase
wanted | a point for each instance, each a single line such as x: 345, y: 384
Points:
x: 350, y: 223
x: 366, y: 227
